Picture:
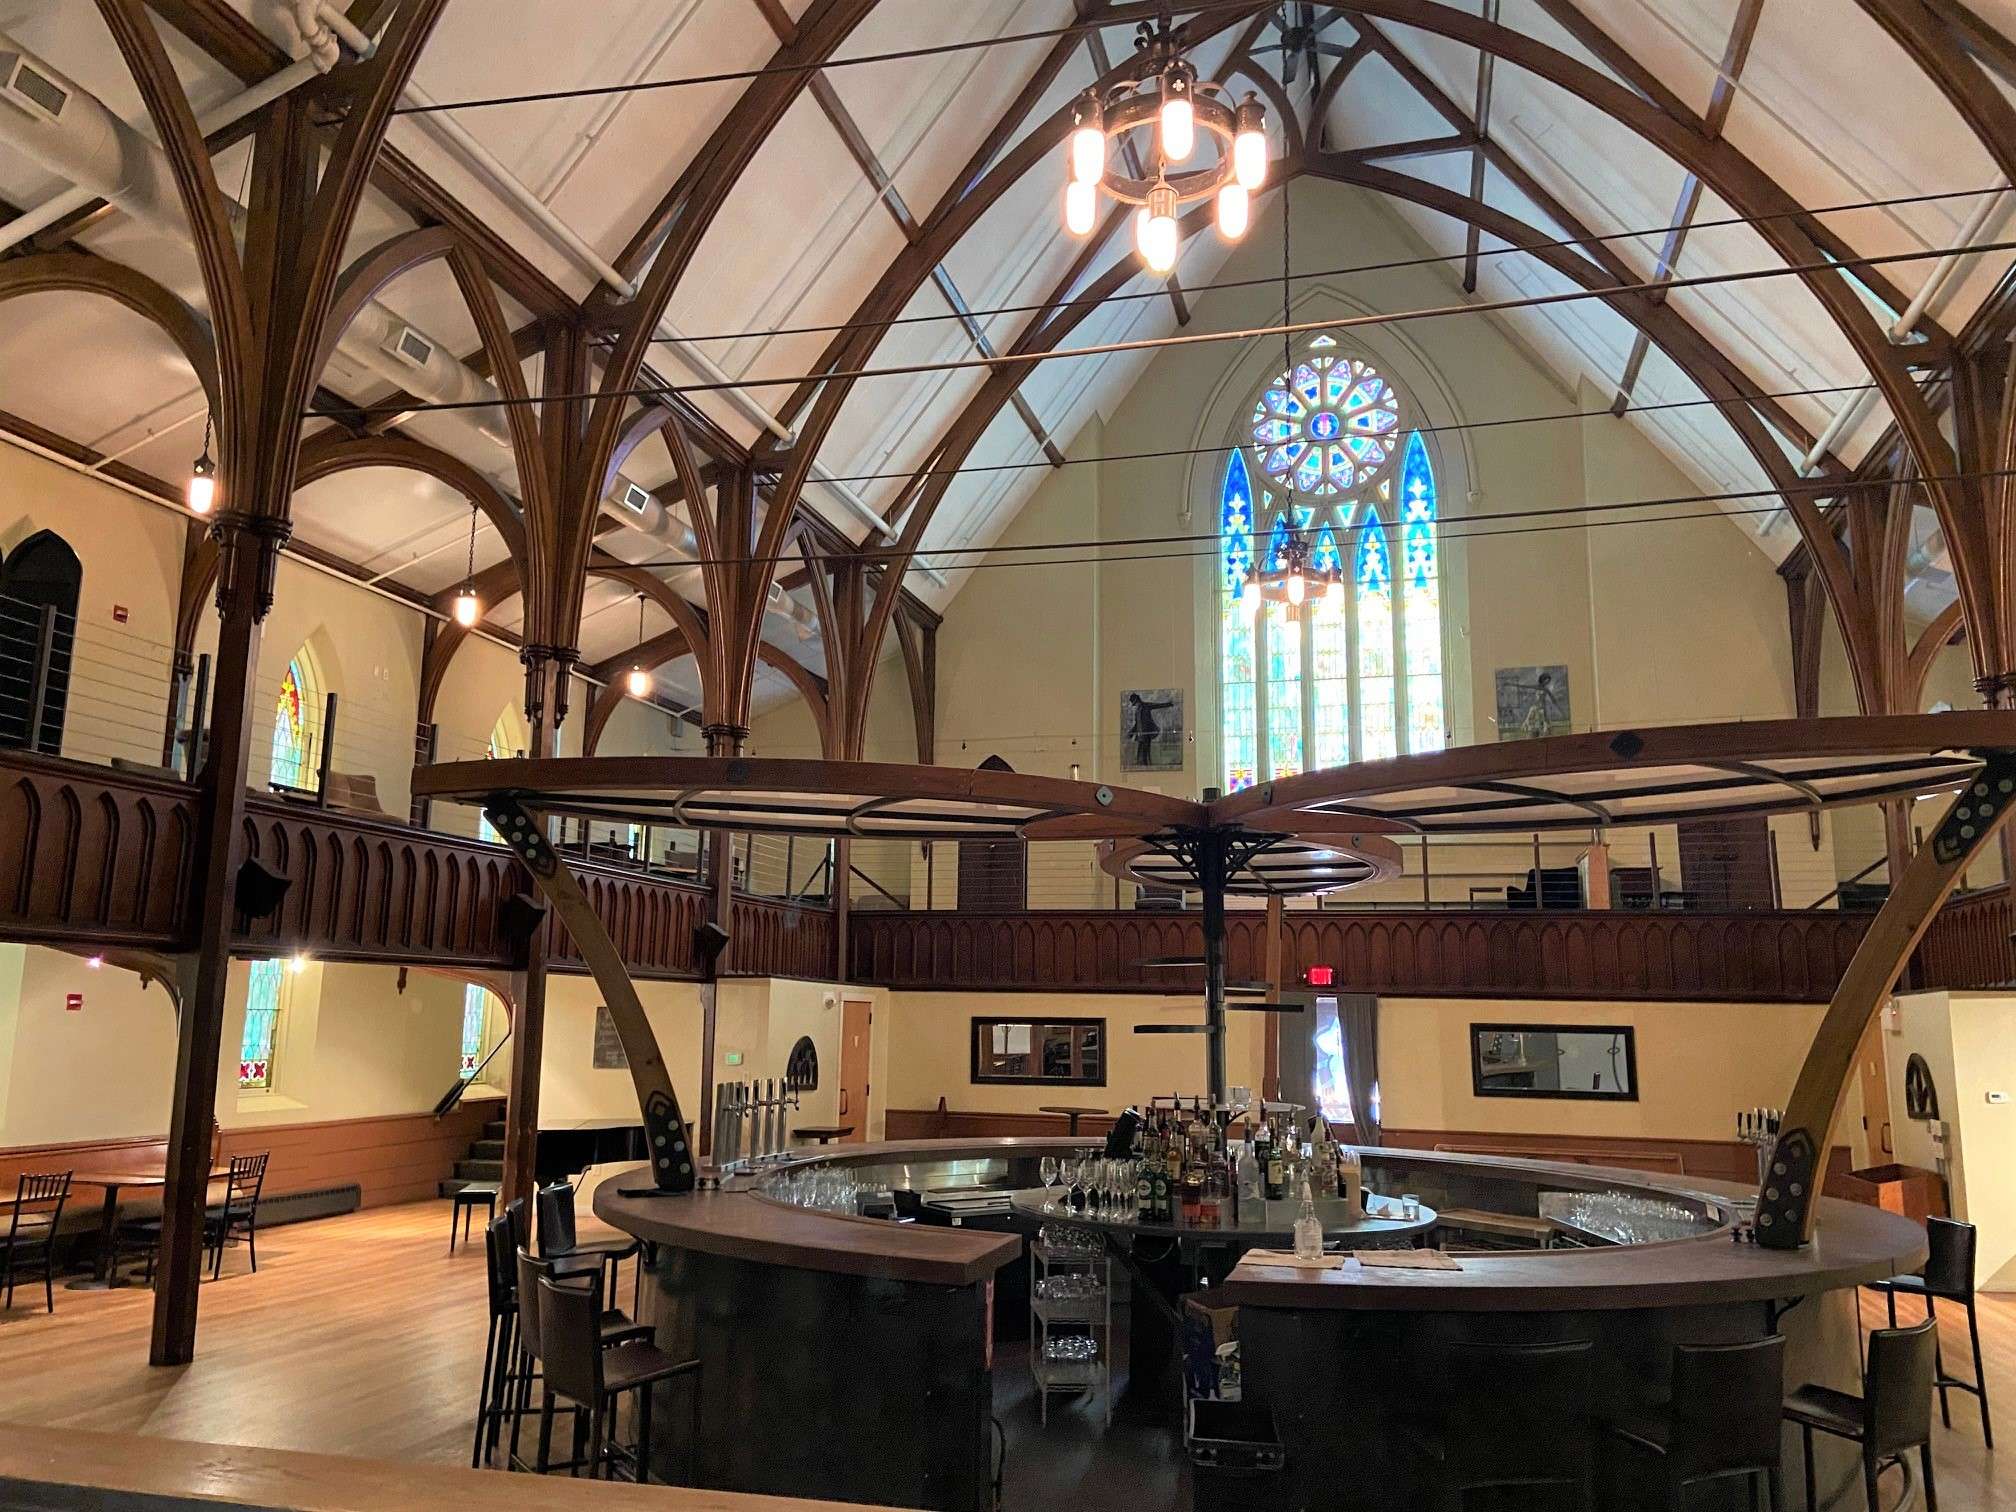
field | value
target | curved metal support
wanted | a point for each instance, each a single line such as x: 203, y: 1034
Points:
x: 672, y: 1159
x: 1785, y: 1202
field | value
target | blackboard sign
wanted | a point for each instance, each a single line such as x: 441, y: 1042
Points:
x: 609, y: 1054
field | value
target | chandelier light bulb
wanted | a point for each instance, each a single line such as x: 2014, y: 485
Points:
x: 1249, y: 597
x: 467, y: 608
x: 1334, y: 591
x: 1249, y: 146
x: 1233, y: 211
x: 637, y: 682
x: 1179, y: 119
x: 1297, y: 588
x: 1081, y: 207
x: 1088, y: 143
x: 203, y: 485
x: 1156, y: 232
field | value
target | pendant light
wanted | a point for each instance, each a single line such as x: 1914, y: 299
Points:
x: 203, y: 477
x: 1177, y: 124
x: 1249, y: 145
x: 468, y: 609
x: 1155, y: 228
x: 637, y: 682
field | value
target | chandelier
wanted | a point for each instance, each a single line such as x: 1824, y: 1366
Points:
x: 1166, y: 91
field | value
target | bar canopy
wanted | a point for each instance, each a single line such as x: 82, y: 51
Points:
x: 1288, y: 866
x: 1647, y: 776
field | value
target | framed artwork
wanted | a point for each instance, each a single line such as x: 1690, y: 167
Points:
x: 1533, y: 701
x: 609, y: 1054
x: 1151, y: 730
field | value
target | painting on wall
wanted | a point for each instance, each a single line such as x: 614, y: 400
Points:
x: 1151, y: 730
x: 609, y: 1054
x: 1533, y: 701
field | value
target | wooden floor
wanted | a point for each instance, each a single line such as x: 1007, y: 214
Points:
x: 360, y: 1336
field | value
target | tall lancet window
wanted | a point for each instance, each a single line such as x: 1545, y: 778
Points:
x: 1336, y: 486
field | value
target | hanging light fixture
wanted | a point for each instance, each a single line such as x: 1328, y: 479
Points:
x: 1165, y: 94
x: 637, y: 682
x: 203, y: 477
x: 1283, y: 574
x: 468, y: 608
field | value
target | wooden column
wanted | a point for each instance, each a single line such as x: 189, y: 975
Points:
x: 721, y: 741
x: 528, y: 1030
x: 1270, y: 1074
x: 248, y: 561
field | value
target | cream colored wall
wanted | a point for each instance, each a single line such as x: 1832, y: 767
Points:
x: 1698, y: 1063
x: 929, y: 1037
x: 131, y: 553
x: 100, y: 1073
x: 571, y: 1089
x: 1966, y: 1040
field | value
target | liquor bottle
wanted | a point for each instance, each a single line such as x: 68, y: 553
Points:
x: 1247, y: 1174
x: 1308, y: 1232
x: 1175, y: 1160
x: 1322, y: 1160
x: 1144, y: 1190
x: 1193, y: 1191
x: 1158, y: 1192
x: 1273, y: 1166
x: 1350, y: 1182
x: 1263, y: 1157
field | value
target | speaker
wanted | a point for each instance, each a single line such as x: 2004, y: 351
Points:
x: 256, y: 892
x: 519, y: 918
x: 709, y: 940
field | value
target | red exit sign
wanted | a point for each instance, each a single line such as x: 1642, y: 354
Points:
x: 73, y: 1002
x: 1320, y: 976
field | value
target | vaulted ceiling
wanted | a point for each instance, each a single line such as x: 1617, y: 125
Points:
x: 1479, y: 120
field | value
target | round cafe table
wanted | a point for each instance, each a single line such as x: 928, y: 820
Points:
x: 823, y: 1133
x: 1074, y: 1114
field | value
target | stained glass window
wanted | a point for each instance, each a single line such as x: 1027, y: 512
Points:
x: 263, y: 988
x: 475, y: 1015
x: 1356, y: 672
x: 293, y: 763
x: 501, y: 745
x: 1375, y: 641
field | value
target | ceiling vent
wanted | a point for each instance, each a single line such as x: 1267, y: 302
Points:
x: 28, y: 88
x: 635, y: 499
x: 410, y: 347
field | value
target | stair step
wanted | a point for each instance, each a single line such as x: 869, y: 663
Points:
x: 494, y: 1129
x: 487, y: 1149
x: 480, y: 1170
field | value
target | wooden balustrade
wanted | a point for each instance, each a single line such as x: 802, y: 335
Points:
x: 1733, y: 957
x: 1969, y: 943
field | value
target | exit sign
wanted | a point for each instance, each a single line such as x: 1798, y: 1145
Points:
x: 73, y: 1002
x: 1320, y: 976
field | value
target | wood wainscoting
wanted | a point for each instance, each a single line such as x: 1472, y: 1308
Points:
x: 399, y: 1157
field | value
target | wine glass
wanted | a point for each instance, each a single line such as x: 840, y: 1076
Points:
x: 1049, y: 1169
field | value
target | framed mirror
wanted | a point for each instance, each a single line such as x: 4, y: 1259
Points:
x: 1050, y: 1052
x: 1598, y: 1062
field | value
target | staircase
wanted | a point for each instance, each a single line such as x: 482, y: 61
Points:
x: 484, y: 1162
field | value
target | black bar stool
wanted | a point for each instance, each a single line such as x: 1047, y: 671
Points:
x: 1723, y: 1422
x: 1948, y: 1276
x: 1536, y: 1396
x: 1893, y: 1414
x: 616, y: 1326
x: 580, y: 1369
x: 557, y: 1238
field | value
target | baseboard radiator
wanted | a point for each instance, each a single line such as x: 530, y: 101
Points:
x: 299, y: 1207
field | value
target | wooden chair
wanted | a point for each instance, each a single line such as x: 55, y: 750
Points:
x: 581, y: 1368
x: 32, y: 1223
x: 238, y: 1213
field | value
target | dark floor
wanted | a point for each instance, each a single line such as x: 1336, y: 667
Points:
x: 1076, y: 1461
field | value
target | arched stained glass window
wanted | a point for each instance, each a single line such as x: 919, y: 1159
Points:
x: 264, y: 983
x: 294, y: 764
x: 503, y: 743
x: 475, y: 1019
x: 1353, y: 673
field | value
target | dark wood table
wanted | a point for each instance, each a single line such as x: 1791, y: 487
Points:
x: 824, y: 1133
x: 1074, y: 1114
x: 104, y: 1278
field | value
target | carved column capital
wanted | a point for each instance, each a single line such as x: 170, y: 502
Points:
x: 248, y: 543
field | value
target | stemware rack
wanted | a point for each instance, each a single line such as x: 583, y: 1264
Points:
x: 1070, y: 1300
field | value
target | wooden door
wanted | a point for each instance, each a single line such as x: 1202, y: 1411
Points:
x: 856, y: 1024
x: 1872, y: 1069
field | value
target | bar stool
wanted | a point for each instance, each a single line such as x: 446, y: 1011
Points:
x: 1723, y: 1421
x: 594, y: 1378
x: 1948, y: 1276
x: 500, y: 1347
x: 557, y: 1236
x: 1536, y: 1396
x: 1893, y: 1414
x: 616, y: 1326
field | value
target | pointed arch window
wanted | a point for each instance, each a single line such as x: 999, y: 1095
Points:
x: 265, y: 986
x: 294, y: 764
x: 475, y: 1024
x: 1354, y: 674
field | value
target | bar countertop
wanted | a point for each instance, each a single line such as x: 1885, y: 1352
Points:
x: 1853, y: 1244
